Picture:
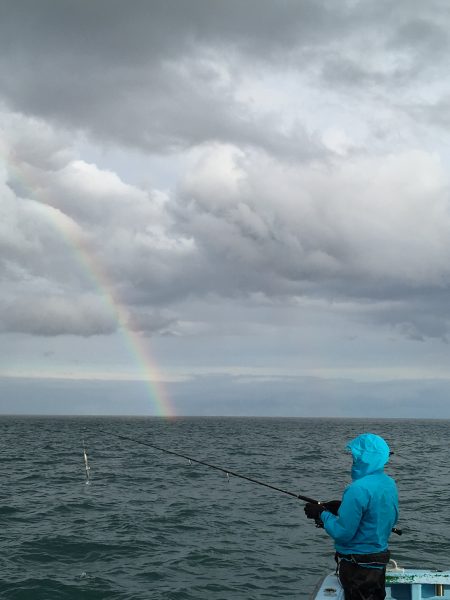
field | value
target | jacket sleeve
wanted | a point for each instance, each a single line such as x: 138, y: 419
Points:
x: 343, y: 527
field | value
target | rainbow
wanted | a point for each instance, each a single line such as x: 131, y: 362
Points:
x: 97, y: 276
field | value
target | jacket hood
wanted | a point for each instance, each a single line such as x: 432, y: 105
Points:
x: 370, y: 453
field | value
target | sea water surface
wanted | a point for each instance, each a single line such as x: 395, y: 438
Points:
x: 150, y: 525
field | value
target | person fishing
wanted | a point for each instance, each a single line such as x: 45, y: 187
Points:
x: 363, y: 520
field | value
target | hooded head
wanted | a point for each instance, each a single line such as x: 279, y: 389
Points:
x: 370, y: 453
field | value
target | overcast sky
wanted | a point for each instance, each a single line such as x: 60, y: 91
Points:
x: 251, y: 196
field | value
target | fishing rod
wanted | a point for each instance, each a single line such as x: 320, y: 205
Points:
x: 332, y: 505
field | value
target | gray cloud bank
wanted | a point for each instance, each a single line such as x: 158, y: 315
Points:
x: 230, y: 396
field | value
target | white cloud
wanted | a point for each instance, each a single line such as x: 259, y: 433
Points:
x: 242, y: 222
x: 381, y: 218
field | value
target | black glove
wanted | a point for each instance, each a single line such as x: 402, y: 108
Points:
x: 313, y: 511
x: 332, y: 506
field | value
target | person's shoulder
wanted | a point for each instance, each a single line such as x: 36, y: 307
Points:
x: 376, y: 479
x: 390, y: 481
x: 387, y: 478
x: 380, y: 481
x: 357, y: 489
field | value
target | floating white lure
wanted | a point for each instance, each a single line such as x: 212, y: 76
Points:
x: 86, y: 464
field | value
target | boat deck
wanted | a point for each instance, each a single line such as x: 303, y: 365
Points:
x: 401, y: 584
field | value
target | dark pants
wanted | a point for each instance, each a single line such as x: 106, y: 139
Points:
x: 362, y: 583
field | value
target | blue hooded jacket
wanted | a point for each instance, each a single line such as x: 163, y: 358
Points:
x: 369, y: 507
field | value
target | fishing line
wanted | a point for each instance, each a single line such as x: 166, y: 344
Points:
x: 227, y: 472
x: 211, y: 466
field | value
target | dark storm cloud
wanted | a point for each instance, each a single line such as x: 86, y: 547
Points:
x: 162, y: 74
x: 51, y: 316
x: 423, y: 37
x: 417, y: 314
x: 109, y: 32
x: 159, y: 75
x: 148, y: 321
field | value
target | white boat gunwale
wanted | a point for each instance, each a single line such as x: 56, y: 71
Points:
x: 401, y: 583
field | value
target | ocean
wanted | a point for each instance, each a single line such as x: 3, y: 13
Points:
x: 150, y: 525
